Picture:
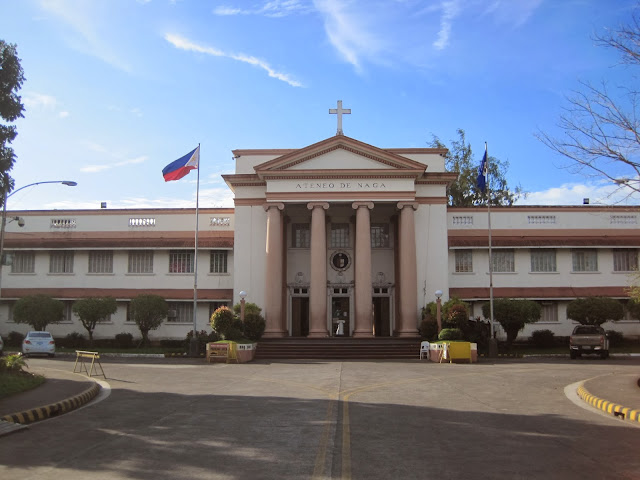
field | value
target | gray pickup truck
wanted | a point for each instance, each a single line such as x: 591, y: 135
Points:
x: 588, y: 339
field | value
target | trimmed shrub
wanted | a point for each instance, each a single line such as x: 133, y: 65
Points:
x: 14, y: 339
x: 174, y: 344
x: 615, y: 338
x: 543, y: 338
x: 457, y: 316
x: 74, y: 340
x: 450, y: 334
x: 222, y: 322
x: 123, y: 340
x: 203, y: 337
x: 254, y: 325
x: 12, y: 363
x: 429, y: 329
x: 104, y: 343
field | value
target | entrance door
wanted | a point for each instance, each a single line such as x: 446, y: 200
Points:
x: 299, y: 316
x: 382, y: 316
x: 340, y: 316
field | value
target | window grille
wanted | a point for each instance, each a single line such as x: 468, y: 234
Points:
x: 585, y: 260
x: 625, y: 260
x: 541, y: 219
x: 463, y: 220
x: 379, y: 235
x: 23, y: 262
x: 220, y: 221
x: 140, y: 261
x: 339, y: 235
x: 624, y: 219
x: 101, y: 261
x: 183, y: 312
x: 63, y: 223
x: 142, y: 222
x: 180, y: 261
x: 503, y: 261
x: 464, y: 261
x: 61, y: 262
x: 218, y: 261
x: 301, y: 235
x: 543, y: 260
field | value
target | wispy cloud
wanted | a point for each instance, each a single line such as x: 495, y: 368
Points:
x: 35, y: 101
x: 512, y: 13
x: 188, y: 45
x: 450, y: 10
x: 83, y: 19
x: 274, y: 8
x: 103, y: 167
x: 575, y: 193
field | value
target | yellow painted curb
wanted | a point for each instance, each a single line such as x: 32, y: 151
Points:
x: 54, y: 409
x: 616, y: 410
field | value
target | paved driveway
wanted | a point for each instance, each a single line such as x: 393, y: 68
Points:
x: 182, y: 419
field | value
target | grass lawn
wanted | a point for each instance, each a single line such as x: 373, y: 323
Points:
x: 12, y: 383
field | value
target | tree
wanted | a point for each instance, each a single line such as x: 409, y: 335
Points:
x: 595, y: 310
x: 11, y: 108
x: 464, y: 192
x: 148, y: 311
x: 93, y: 310
x: 513, y: 315
x: 38, y: 311
x: 601, y: 127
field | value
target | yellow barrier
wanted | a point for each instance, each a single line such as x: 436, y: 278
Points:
x: 81, y: 356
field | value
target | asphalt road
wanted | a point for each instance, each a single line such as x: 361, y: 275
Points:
x: 182, y: 419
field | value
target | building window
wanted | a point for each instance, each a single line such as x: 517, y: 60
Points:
x: 67, y: 312
x: 140, y: 261
x: 180, y: 312
x: 23, y: 262
x: 379, y: 235
x: 339, y: 235
x: 543, y: 260
x: 101, y: 261
x: 180, y: 261
x: 625, y: 260
x: 130, y: 317
x: 464, y: 261
x: 61, y: 262
x: 585, y: 260
x: 503, y: 261
x: 300, y: 235
x: 549, y: 312
x: 218, y: 261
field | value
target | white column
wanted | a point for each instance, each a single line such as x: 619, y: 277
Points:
x: 273, y: 312
x: 363, y: 326
x: 318, y: 283
x: 407, y: 325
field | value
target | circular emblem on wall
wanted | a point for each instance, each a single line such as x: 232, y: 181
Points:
x: 340, y: 261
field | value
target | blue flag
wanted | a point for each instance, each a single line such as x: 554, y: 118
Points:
x: 483, y: 171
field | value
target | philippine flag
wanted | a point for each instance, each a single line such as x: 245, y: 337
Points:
x: 179, y: 168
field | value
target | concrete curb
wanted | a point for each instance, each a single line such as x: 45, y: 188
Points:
x: 54, y: 409
x: 625, y: 413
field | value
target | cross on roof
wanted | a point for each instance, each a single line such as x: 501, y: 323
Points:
x: 340, y: 111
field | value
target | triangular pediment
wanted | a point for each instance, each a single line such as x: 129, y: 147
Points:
x: 339, y: 154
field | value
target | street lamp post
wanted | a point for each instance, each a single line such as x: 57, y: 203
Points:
x: 439, y: 309
x: 242, y: 295
x: 3, y: 223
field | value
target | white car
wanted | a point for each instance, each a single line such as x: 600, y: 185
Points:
x: 38, y: 342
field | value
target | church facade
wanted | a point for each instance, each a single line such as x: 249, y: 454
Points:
x: 339, y: 238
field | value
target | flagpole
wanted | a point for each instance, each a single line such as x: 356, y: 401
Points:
x: 194, y: 344
x: 493, y: 346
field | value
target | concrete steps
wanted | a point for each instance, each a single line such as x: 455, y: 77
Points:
x: 338, y: 348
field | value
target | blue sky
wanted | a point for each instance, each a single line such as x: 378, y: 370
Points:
x: 117, y: 89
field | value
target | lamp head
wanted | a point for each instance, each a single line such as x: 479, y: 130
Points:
x: 69, y: 183
x: 242, y: 294
x: 21, y: 222
x: 438, y: 293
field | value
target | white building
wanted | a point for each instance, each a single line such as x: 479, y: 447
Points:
x: 338, y: 234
